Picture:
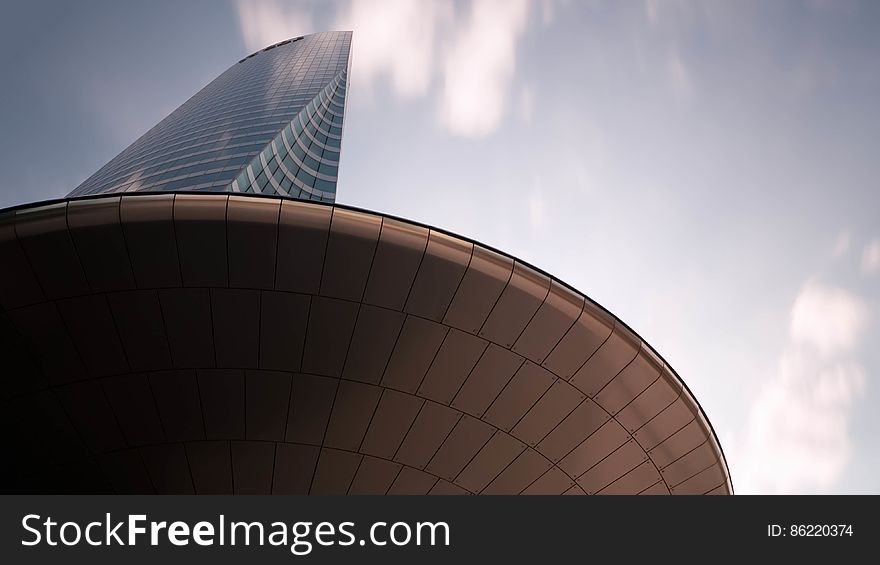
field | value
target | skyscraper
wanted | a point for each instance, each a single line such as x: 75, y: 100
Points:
x: 278, y: 111
x: 200, y: 316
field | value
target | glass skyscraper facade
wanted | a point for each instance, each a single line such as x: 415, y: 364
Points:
x: 271, y: 124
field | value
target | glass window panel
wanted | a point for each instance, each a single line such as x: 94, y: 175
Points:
x: 327, y: 169
x: 325, y: 185
x: 311, y: 163
x: 261, y: 180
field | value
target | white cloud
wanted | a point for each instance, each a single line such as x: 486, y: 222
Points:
x: 797, y: 437
x: 651, y: 12
x: 413, y: 44
x: 266, y: 22
x: 797, y: 434
x: 536, y: 206
x: 841, y: 245
x: 526, y: 104
x: 679, y: 76
x: 871, y: 257
x: 479, y: 66
x: 830, y: 320
x: 397, y: 39
x: 548, y: 12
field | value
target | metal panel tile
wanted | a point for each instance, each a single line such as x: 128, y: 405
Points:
x: 400, y: 250
x: 267, y: 395
x: 374, y: 476
x: 168, y: 468
x: 525, y: 470
x: 236, y: 317
x: 495, y: 456
x: 638, y: 479
x: 465, y: 441
x: 683, y: 441
x: 552, y: 320
x: 80, y: 477
x: 331, y: 323
x: 520, y: 394
x: 430, y: 428
x: 456, y: 359
x: 200, y: 226
x: 21, y: 465
x: 18, y: 286
x: 16, y: 354
x: 283, y: 318
x: 375, y: 334
x: 412, y: 481
x: 223, y: 402
x: 26, y: 374
x: 627, y: 457
x: 629, y: 383
x: 616, y: 353
x: 177, y: 400
x: 252, y: 466
x: 211, y: 466
x: 141, y: 329
x: 580, y: 342
x: 294, y: 468
x: 520, y: 300
x: 91, y: 326
x: 702, y: 483
x: 583, y: 420
x: 252, y: 236
x: 552, y: 482
x: 391, y: 421
x: 352, y: 411
x: 557, y: 403
x: 132, y: 402
x: 663, y: 392
x: 658, y: 488
x: 335, y: 471
x: 97, y: 235
x: 350, y: 249
x: 442, y: 268
x: 92, y: 416
x: 126, y: 472
x: 594, y: 448
x: 310, y: 405
x: 47, y: 339
x: 670, y: 420
x: 48, y: 434
x: 442, y: 487
x: 482, y: 284
x: 416, y: 347
x: 187, y: 314
x: 689, y: 464
x: 719, y: 490
x: 148, y: 225
x: 493, y: 371
x: 44, y: 237
x: 26, y: 430
x: 302, y: 239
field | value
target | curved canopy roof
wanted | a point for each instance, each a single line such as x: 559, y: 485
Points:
x: 222, y: 343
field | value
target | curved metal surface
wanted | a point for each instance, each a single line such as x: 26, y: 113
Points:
x: 222, y: 343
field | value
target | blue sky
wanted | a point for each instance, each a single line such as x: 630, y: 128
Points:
x: 708, y: 170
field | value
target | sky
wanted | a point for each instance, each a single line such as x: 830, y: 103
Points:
x: 708, y: 171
